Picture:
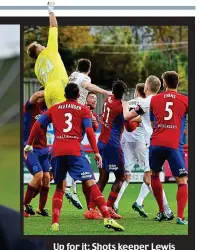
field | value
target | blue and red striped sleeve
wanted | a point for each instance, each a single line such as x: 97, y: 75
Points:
x: 27, y: 106
x: 42, y: 122
x: 152, y: 116
x: 87, y: 125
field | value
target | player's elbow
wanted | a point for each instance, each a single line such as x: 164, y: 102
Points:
x: 39, y: 94
x: 127, y: 117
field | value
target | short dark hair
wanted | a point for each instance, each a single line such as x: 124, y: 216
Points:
x: 154, y: 83
x: 118, y: 89
x: 84, y: 65
x: 171, y: 78
x: 32, y: 50
x: 72, y: 91
x: 140, y: 88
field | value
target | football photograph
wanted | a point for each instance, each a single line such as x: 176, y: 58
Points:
x: 105, y: 129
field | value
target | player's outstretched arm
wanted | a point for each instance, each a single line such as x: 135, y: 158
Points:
x: 53, y: 31
x: 36, y: 96
x: 128, y: 115
x: 52, y: 17
x: 137, y: 119
x: 94, y: 88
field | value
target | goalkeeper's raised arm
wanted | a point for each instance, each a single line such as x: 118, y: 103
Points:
x: 52, y: 17
x: 53, y: 31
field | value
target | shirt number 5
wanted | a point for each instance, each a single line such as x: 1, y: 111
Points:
x: 169, y: 110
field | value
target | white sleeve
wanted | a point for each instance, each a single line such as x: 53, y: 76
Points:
x: 133, y: 103
x: 144, y: 105
x: 82, y: 79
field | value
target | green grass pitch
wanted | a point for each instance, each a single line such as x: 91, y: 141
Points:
x: 73, y: 223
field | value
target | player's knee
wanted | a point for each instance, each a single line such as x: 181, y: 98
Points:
x: 147, y: 181
x: 46, y: 179
x: 127, y: 178
x: 147, y: 178
x: 60, y: 185
x: 38, y: 176
x: 155, y: 173
x: 181, y: 180
x: 89, y: 183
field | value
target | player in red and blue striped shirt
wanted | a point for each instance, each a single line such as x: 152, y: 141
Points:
x: 168, y: 112
x: 109, y: 145
x: 37, y: 161
x: 71, y: 120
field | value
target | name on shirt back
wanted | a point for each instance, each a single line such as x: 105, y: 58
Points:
x: 169, y: 95
x: 69, y: 105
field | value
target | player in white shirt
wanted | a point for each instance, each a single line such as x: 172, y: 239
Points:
x: 152, y: 86
x: 81, y: 78
x: 134, y: 148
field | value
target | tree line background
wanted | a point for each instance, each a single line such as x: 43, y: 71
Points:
x: 130, y: 53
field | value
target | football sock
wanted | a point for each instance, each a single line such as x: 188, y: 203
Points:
x: 57, y: 202
x: 99, y: 200
x: 150, y: 189
x: 111, y: 199
x: 144, y: 190
x: 68, y: 190
x: 69, y: 181
x: 121, y: 192
x: 181, y: 197
x: 87, y: 194
x: 92, y: 204
x: 37, y: 191
x: 166, y: 205
x: 30, y: 192
x: 157, y: 191
x: 74, y: 186
x: 43, y: 197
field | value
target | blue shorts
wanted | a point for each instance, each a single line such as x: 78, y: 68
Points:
x: 78, y: 168
x: 158, y: 155
x: 37, y: 161
x: 112, y: 157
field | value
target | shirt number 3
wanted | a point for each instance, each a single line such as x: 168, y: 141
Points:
x: 68, y: 122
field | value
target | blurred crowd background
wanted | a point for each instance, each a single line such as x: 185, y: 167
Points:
x: 10, y: 115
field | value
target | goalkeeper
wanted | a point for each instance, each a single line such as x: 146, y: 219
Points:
x: 49, y: 67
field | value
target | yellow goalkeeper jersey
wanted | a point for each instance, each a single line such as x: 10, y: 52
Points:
x: 49, y: 66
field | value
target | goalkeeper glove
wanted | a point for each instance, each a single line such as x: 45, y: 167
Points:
x: 51, y: 7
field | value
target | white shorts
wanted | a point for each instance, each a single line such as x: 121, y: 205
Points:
x: 135, y: 152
